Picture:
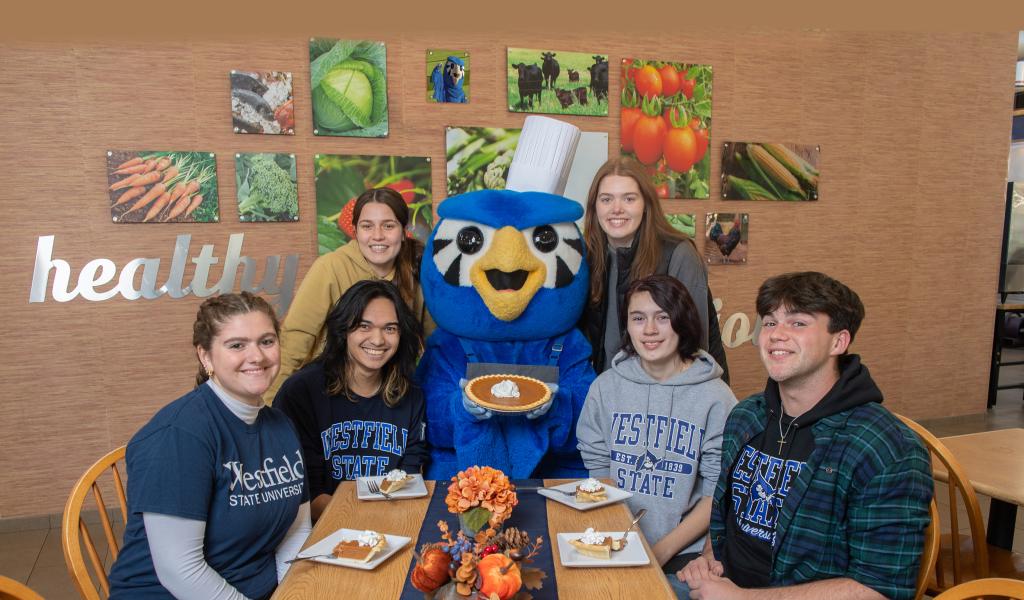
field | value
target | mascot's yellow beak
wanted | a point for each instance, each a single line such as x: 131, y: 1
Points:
x: 507, y: 276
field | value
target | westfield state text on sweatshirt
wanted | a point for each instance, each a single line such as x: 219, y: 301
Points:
x: 660, y: 440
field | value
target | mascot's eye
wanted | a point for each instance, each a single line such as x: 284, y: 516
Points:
x: 470, y: 240
x: 545, y: 239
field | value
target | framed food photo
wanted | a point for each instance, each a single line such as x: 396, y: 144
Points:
x: 665, y: 124
x: 348, y: 79
x: 261, y: 102
x: 341, y: 178
x: 162, y: 187
x: 770, y: 171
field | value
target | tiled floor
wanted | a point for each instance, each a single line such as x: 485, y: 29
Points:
x: 34, y: 556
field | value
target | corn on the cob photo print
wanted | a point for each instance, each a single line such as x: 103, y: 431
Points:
x: 769, y: 171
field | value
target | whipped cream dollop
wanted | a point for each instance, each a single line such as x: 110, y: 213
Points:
x: 369, y: 538
x: 505, y: 388
x: 395, y: 475
x: 592, y: 537
x: 591, y: 485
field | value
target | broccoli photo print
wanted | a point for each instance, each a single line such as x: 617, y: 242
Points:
x: 349, y: 83
x: 557, y: 82
x: 162, y: 187
x: 262, y: 102
x: 727, y: 239
x: 665, y: 123
x: 341, y: 178
x: 265, y: 187
x: 763, y: 171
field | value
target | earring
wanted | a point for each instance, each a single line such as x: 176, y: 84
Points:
x: 209, y: 371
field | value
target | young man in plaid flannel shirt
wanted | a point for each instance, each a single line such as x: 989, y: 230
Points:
x: 823, y: 493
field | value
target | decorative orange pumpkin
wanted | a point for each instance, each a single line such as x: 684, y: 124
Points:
x: 432, y: 570
x: 499, y: 575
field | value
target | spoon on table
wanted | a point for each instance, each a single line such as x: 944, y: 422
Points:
x: 639, y: 515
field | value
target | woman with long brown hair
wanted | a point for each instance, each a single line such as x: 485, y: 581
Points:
x: 381, y: 250
x: 628, y: 238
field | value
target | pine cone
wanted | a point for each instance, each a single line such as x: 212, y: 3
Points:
x: 512, y: 539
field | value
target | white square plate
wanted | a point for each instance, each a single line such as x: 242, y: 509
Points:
x: 414, y: 489
x: 326, y: 546
x: 614, y: 495
x: 633, y: 555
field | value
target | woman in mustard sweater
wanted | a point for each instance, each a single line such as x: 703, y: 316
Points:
x: 380, y: 250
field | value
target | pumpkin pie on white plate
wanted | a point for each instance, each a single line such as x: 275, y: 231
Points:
x: 361, y: 549
x: 590, y: 490
x: 595, y: 545
x: 394, y: 480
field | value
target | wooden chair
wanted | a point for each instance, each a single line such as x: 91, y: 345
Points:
x: 14, y: 590
x: 993, y: 586
x: 962, y: 557
x: 929, y: 553
x: 75, y: 533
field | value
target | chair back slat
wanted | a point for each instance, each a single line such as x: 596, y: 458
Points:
x: 90, y: 576
x: 108, y: 529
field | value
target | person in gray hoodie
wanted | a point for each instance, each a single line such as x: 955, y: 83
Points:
x: 653, y: 422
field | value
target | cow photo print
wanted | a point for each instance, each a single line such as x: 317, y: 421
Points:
x: 557, y: 82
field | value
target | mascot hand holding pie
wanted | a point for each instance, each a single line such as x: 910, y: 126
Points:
x: 505, y: 277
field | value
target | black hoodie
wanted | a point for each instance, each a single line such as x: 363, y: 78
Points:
x: 765, y: 469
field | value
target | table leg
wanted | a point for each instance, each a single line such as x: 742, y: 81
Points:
x: 997, y: 352
x: 1002, y: 518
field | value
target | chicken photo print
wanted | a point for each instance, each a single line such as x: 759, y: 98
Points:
x: 769, y: 171
x: 727, y: 238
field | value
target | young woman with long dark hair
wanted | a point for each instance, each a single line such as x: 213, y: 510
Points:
x: 356, y: 409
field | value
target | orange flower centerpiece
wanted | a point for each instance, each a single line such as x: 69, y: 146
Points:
x: 481, y: 496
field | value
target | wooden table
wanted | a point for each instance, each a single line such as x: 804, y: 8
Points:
x: 312, y: 580
x: 994, y: 462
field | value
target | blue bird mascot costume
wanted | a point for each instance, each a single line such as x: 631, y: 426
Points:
x: 448, y: 82
x: 505, y: 278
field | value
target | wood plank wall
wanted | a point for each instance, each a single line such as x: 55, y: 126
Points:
x: 913, y: 129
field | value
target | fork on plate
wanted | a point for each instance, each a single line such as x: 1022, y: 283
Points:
x: 375, y: 489
x: 571, y: 494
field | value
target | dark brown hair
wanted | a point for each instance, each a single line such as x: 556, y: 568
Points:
x: 214, y: 312
x: 346, y: 315
x: 812, y: 292
x: 673, y: 298
x: 407, y: 263
x: 653, y: 227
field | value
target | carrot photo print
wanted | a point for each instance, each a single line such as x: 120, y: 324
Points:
x: 162, y: 187
x: 350, y: 87
x: 665, y: 123
x: 340, y: 179
x: 557, y: 82
x: 262, y: 102
x: 727, y: 239
x: 763, y: 171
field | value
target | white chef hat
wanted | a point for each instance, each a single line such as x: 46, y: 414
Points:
x: 543, y: 156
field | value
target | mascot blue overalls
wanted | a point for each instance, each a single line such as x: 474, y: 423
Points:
x: 505, y: 278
